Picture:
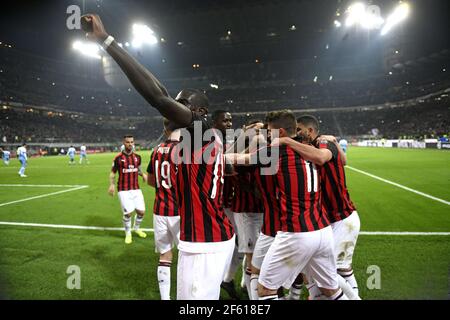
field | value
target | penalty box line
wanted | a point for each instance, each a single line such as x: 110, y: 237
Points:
x: 43, y: 195
x: 64, y: 226
x: 400, y: 186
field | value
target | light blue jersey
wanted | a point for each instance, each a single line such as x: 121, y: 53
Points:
x: 22, y: 155
x: 343, y: 144
x: 6, y: 156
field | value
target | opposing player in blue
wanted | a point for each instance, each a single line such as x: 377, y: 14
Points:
x: 22, y: 156
x: 71, y: 153
x: 5, y: 156
x: 83, y: 154
x: 343, y: 144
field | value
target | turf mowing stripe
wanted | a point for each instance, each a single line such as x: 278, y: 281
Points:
x: 65, y: 226
x: 400, y: 186
x: 42, y: 196
x: 43, y: 185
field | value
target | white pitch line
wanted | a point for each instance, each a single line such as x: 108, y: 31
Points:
x: 400, y: 186
x: 43, y: 185
x: 42, y: 196
x: 65, y: 226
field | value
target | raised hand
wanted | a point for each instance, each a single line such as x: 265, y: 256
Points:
x: 93, y: 26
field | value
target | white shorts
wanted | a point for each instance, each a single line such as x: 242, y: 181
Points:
x: 199, y: 275
x: 248, y: 226
x: 167, y: 232
x: 261, y: 247
x: 345, y: 236
x: 290, y: 253
x: 131, y: 200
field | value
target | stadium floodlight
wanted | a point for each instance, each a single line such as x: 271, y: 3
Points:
x: 142, y: 34
x: 214, y: 86
x: 87, y: 48
x: 356, y: 14
x: 337, y: 23
x: 366, y: 17
x: 400, y: 14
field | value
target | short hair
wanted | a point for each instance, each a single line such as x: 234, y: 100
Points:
x: 216, y: 114
x: 128, y: 136
x: 309, y: 121
x: 283, y: 119
x: 254, y: 121
x: 197, y: 98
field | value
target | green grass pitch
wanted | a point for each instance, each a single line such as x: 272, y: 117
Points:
x: 34, y: 260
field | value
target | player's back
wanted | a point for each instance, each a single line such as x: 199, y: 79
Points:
x: 299, y: 193
x: 335, y: 196
x: 267, y: 186
x: 200, y: 184
x: 165, y: 172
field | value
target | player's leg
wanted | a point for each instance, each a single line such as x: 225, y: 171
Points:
x: 139, y: 204
x: 261, y: 247
x: 286, y: 257
x: 236, y: 261
x: 345, y: 236
x: 322, y: 267
x: 199, y: 275
x: 127, y: 204
x: 249, y: 228
x: 295, y: 290
x: 163, y: 242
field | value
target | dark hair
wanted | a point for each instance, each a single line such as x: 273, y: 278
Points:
x: 283, y: 119
x: 254, y: 121
x: 128, y: 136
x: 216, y: 114
x: 309, y: 121
x: 198, y: 99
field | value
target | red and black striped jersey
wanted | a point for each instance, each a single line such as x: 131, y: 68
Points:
x: 165, y: 172
x: 228, y: 191
x: 128, y: 168
x: 245, y: 199
x: 200, y: 184
x: 267, y: 186
x: 299, y: 193
x: 335, y: 197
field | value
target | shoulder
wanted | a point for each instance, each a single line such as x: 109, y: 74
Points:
x: 119, y: 155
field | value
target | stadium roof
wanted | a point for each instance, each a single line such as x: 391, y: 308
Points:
x: 214, y: 32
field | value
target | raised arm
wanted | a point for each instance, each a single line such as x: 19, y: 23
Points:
x: 141, y: 78
x: 341, y: 152
x: 309, y: 153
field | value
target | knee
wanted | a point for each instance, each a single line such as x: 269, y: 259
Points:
x: 344, y: 270
x: 127, y: 216
x: 328, y: 292
x: 254, y: 270
x: 167, y: 256
x: 263, y: 291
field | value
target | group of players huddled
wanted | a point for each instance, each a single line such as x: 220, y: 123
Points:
x: 296, y: 225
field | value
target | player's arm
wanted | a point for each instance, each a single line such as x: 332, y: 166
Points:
x: 112, y: 183
x: 151, y: 179
x: 238, y: 159
x: 142, y: 79
x: 309, y: 153
x: 341, y: 152
x: 142, y: 174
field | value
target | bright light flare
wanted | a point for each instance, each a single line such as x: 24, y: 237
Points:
x: 366, y: 17
x: 356, y: 13
x: 87, y: 48
x: 400, y: 14
x: 142, y: 34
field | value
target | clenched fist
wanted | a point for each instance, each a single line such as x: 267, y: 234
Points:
x: 93, y: 26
